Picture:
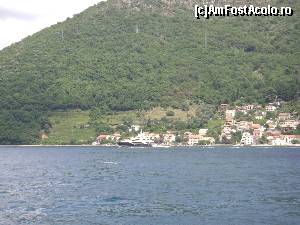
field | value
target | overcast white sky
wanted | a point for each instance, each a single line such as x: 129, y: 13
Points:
x: 20, y: 18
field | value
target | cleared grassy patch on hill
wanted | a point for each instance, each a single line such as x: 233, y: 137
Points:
x: 141, y: 117
x: 70, y: 127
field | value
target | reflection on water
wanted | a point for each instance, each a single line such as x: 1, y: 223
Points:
x: 81, y: 185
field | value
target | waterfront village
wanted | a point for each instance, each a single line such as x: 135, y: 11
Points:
x: 246, y: 125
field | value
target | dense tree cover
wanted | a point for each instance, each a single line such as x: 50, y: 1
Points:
x: 20, y: 126
x: 119, y: 59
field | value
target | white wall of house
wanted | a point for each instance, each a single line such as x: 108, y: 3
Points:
x: 247, y: 139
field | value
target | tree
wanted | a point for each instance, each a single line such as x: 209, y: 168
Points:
x: 170, y: 113
x: 179, y: 139
x: 294, y: 142
x: 263, y: 140
x: 226, y: 141
x: 204, y: 143
x: 271, y: 115
x: 185, y: 106
x: 103, y: 128
x: 236, y: 137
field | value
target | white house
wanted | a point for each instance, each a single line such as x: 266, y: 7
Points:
x: 135, y: 128
x: 278, y: 141
x: 290, y: 124
x: 247, y: 139
x: 270, y: 108
x: 193, y: 139
x: 169, y: 138
x: 203, y: 132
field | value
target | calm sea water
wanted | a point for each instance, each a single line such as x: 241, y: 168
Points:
x: 82, y: 185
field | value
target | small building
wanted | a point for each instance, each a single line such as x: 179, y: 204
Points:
x: 135, y: 128
x: 244, y: 125
x: 169, y: 138
x: 193, y: 139
x: 223, y: 107
x: 283, y: 139
x: 284, y: 116
x: 103, y: 137
x: 257, y: 134
x: 248, y: 107
x: 154, y: 136
x: 259, y: 117
x: 273, y: 133
x: 271, y: 108
x: 290, y: 138
x: 226, y: 132
x: 247, y: 139
x: 203, y: 132
x: 255, y: 126
x: 289, y: 125
x: 279, y: 140
x: 108, y: 137
x: 229, y: 117
x: 116, y: 136
x: 211, y: 140
x: 271, y: 124
x: 229, y: 114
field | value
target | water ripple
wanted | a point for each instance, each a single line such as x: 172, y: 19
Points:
x: 139, y: 186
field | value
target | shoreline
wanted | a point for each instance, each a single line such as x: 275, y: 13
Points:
x: 167, y: 146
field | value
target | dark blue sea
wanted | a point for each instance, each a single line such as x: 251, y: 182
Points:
x: 175, y: 186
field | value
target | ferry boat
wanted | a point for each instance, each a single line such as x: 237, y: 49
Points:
x: 141, y: 140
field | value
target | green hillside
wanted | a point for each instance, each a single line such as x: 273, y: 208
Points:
x: 117, y: 57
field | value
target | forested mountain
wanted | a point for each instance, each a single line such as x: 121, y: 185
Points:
x: 130, y: 55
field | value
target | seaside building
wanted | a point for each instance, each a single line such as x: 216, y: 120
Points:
x: 211, y: 140
x: 116, y: 136
x: 290, y: 138
x: 247, y: 139
x: 283, y: 139
x: 169, y: 138
x: 194, y: 139
x: 257, y: 134
x: 154, y: 136
x: 107, y: 137
x: 103, y: 137
x: 278, y: 140
x: 226, y: 132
